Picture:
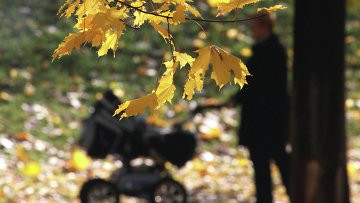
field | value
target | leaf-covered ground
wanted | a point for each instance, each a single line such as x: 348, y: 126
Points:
x: 39, y: 124
x: 33, y: 170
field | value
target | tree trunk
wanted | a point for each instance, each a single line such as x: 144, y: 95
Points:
x: 319, y: 154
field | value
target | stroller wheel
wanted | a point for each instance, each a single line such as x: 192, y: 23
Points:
x: 99, y: 190
x: 169, y: 191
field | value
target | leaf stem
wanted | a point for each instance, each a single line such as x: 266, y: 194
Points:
x: 201, y: 27
x: 170, y: 40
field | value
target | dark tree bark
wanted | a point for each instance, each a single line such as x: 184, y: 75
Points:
x: 319, y: 143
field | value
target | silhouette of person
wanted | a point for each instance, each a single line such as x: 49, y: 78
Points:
x: 264, y: 113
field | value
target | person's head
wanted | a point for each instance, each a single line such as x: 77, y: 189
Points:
x: 262, y: 25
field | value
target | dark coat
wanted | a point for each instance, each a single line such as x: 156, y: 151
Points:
x: 264, y: 101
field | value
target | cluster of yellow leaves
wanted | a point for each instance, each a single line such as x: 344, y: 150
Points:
x: 97, y: 23
x: 223, y: 64
x: 102, y: 22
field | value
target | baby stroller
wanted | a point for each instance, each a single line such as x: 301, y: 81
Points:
x: 128, y: 139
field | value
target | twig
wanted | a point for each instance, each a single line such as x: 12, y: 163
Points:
x: 170, y: 40
x: 207, y: 36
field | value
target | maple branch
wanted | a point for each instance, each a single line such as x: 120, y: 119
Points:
x: 194, y: 19
x: 152, y: 4
x: 159, y: 71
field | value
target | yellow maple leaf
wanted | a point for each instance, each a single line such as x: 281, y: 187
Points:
x: 140, y: 18
x: 220, y: 72
x: 100, y: 25
x: 159, y: 18
x: 223, y: 64
x: 240, y: 71
x: 95, y: 37
x: 90, y: 7
x: 136, y: 106
x: 109, y: 17
x: 164, y: 7
x: 183, y: 58
x: 172, y: 1
x: 111, y: 42
x: 201, y: 63
x: 272, y: 8
x: 85, y: 23
x: 72, y: 41
x: 215, y: 2
x: 138, y: 4
x: 170, y: 67
x: 197, y: 73
x: 162, y: 31
x: 163, y: 93
x: 226, y: 7
x: 165, y: 89
x: 70, y: 9
x: 191, y: 84
x: 179, y: 14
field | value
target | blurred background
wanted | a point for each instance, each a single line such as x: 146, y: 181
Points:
x: 42, y: 103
